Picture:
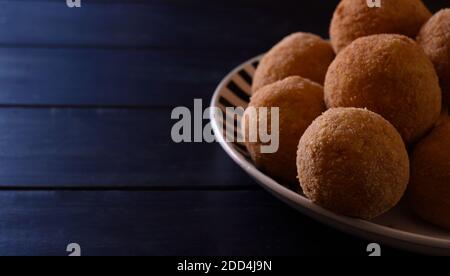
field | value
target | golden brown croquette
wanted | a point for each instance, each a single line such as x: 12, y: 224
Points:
x: 435, y: 40
x: 353, y: 162
x: 300, y: 101
x: 429, y: 190
x: 390, y: 75
x: 354, y: 18
x: 300, y: 54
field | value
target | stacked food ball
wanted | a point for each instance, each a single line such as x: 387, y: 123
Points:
x: 384, y: 133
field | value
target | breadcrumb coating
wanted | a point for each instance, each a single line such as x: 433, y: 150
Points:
x: 429, y: 190
x: 300, y: 54
x: 300, y: 101
x: 389, y: 75
x: 354, y: 19
x: 435, y: 40
x: 353, y: 162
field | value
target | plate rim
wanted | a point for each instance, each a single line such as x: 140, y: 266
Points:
x: 302, y: 204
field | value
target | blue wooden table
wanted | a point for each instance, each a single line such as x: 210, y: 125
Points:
x: 85, y: 150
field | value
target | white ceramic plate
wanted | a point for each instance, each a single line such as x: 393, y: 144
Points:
x: 398, y: 228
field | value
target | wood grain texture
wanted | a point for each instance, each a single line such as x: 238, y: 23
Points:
x: 170, y: 24
x: 180, y: 24
x: 95, y: 148
x: 139, y: 53
x: 164, y: 223
x: 124, y: 78
x: 144, y: 53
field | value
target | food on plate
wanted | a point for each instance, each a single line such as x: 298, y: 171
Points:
x: 429, y: 190
x: 390, y: 75
x: 353, y: 162
x: 300, y: 101
x: 435, y: 40
x: 300, y: 54
x: 344, y: 145
x: 354, y: 19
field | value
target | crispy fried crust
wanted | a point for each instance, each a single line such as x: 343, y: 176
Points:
x: 300, y: 54
x: 300, y: 102
x: 429, y: 190
x: 353, y: 19
x: 353, y: 162
x: 389, y: 75
x: 435, y: 39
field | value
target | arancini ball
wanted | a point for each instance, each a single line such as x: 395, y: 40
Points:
x: 353, y: 162
x: 354, y: 19
x: 429, y: 189
x: 389, y: 75
x: 300, y: 101
x: 300, y: 54
x: 435, y: 40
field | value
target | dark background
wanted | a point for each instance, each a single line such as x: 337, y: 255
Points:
x: 85, y: 148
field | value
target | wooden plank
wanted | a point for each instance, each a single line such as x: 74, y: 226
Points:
x: 164, y: 223
x: 175, y: 24
x: 97, y: 148
x: 194, y: 24
x: 111, y: 77
x: 144, y: 53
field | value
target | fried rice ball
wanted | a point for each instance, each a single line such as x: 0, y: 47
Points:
x: 429, y: 189
x: 435, y: 40
x: 389, y: 75
x: 354, y: 18
x: 353, y: 162
x: 300, y: 54
x: 300, y: 101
